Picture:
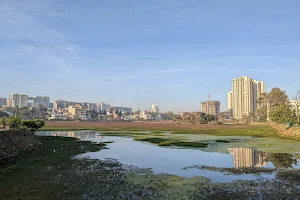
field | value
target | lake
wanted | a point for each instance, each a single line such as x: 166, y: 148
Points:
x: 212, y: 162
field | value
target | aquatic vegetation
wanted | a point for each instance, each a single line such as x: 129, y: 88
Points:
x: 223, y: 141
x: 170, y: 142
x: 235, y: 171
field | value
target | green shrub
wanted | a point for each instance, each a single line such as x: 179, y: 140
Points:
x: 33, y: 125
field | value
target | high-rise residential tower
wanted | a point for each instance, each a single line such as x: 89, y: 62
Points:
x: 230, y: 103
x: 41, y: 101
x: 245, y: 93
x: 19, y: 100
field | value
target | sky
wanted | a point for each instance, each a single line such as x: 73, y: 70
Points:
x: 173, y: 53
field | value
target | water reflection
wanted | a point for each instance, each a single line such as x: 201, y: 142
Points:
x: 282, y: 160
x: 248, y: 157
x: 74, y: 134
x: 215, y: 165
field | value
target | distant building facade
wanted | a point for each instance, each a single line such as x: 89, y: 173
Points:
x: 19, y: 100
x: 9, y: 103
x: 3, y: 101
x: 122, y: 109
x: 93, y: 106
x: 295, y: 105
x: 77, y: 112
x: 244, y: 95
x: 210, y: 107
x: 51, y: 105
x: 154, y: 109
x: 230, y: 103
x: 60, y: 104
x: 41, y: 101
x: 102, y: 106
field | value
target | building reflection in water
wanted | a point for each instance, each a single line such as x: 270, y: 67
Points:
x: 248, y: 157
x: 79, y: 135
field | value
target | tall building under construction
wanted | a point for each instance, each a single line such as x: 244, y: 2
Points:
x: 210, y: 107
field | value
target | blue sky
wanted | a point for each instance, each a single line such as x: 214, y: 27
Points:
x: 170, y: 52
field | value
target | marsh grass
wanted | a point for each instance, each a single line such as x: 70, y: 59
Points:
x: 171, y: 142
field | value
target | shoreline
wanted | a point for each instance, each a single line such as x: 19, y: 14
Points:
x: 53, y: 163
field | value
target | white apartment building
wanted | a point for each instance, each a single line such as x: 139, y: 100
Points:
x: 244, y: 95
x: 154, y: 108
x: 102, y: 106
x: 230, y: 103
x: 295, y: 105
x: 18, y: 100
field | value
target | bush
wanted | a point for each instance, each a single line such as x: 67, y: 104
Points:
x: 33, y: 125
x: 14, y: 123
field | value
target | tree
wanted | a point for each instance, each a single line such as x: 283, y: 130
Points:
x: 33, y: 125
x: 268, y: 102
x: 261, y: 113
x: 282, y: 114
x: 4, y: 122
x: 276, y: 98
x: 14, y: 123
x: 210, y: 117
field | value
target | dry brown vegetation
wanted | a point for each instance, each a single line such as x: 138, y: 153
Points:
x: 137, y: 125
x: 233, y: 129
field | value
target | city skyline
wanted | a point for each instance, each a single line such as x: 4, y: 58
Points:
x: 142, y: 53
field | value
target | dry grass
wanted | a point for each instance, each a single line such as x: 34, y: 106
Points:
x: 164, y: 126
x: 225, y: 130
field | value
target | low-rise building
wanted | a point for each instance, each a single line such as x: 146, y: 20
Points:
x: 295, y: 105
x: 60, y: 104
x: 122, y: 109
x: 77, y: 112
x: 58, y: 115
x: 145, y: 115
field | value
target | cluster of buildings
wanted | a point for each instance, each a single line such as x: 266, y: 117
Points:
x: 242, y: 99
x: 69, y: 110
x: 22, y: 100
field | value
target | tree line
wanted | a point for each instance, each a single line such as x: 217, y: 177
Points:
x: 276, y: 107
x: 17, y: 124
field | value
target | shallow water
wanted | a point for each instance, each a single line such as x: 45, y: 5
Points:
x: 178, y: 161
